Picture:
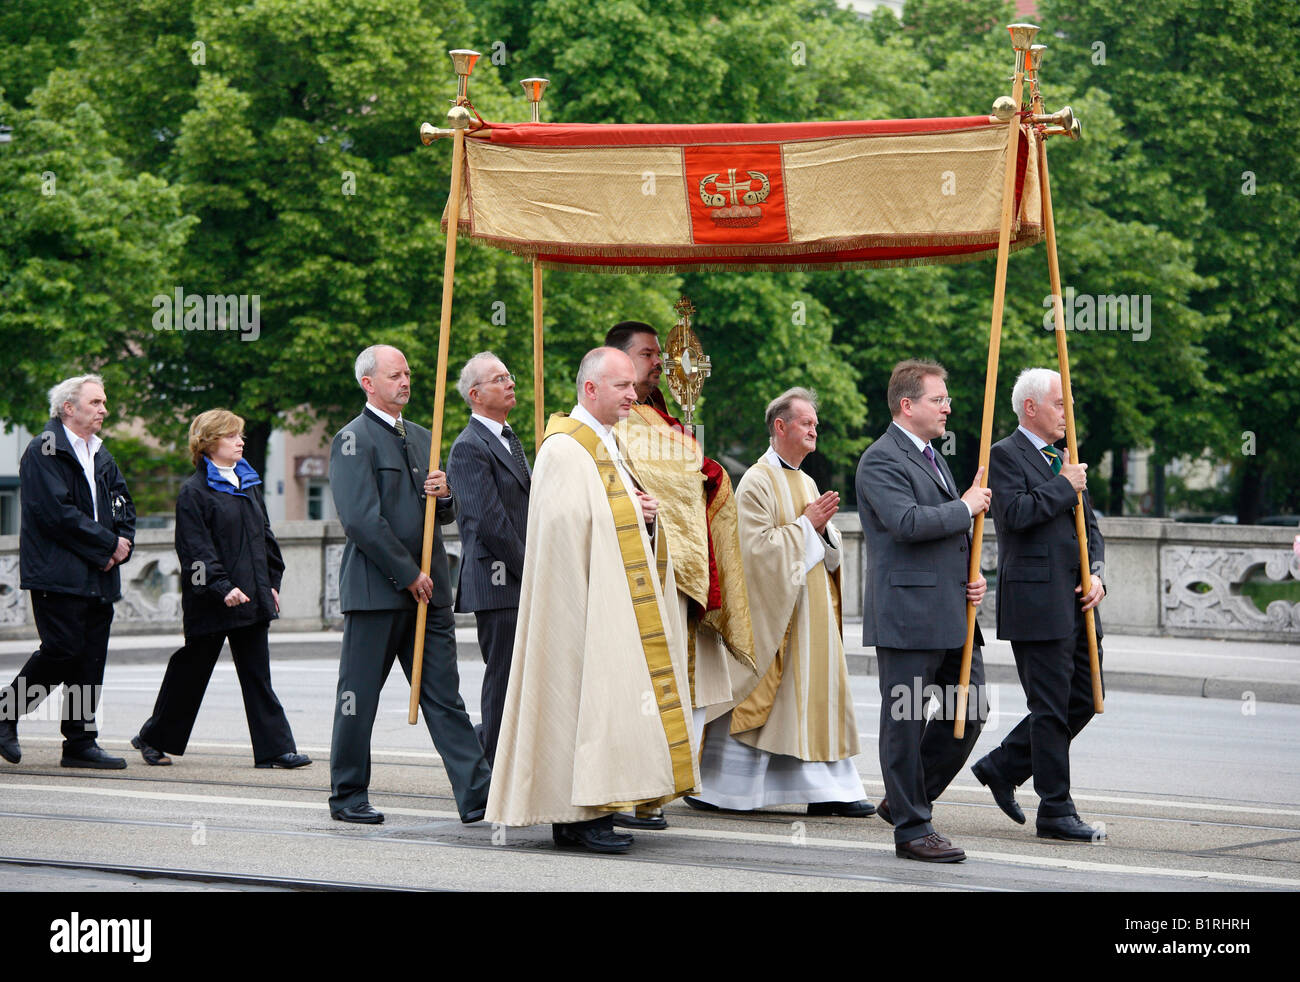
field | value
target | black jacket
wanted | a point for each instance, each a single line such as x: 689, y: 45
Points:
x: 61, y: 546
x: 224, y: 540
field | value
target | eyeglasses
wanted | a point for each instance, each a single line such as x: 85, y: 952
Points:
x: 500, y: 379
x: 937, y: 400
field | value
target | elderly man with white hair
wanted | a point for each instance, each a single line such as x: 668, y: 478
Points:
x: 1040, y: 606
x: 78, y: 526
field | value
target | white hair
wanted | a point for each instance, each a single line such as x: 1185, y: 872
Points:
x: 469, y: 374
x: 367, y: 362
x: 1032, y: 383
x: 69, y: 390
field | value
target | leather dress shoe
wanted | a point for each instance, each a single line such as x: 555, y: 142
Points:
x: 470, y: 817
x: 9, y: 748
x: 581, y: 835
x: 362, y: 814
x: 93, y: 756
x: 1004, y: 792
x: 932, y: 848
x: 882, y: 810
x: 288, y: 760
x: 1071, y: 828
x: 152, y: 755
x: 845, y: 809
x: 651, y: 823
x: 700, y: 805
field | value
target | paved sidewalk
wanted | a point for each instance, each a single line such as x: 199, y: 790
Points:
x: 1263, y: 671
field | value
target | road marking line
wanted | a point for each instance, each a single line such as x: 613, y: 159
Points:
x: 1044, y: 862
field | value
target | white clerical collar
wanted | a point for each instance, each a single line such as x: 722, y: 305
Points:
x: 390, y: 420
x: 776, y: 460
x: 581, y: 414
x: 491, y: 424
x: 916, y: 440
x: 91, y: 445
x: 1034, y: 438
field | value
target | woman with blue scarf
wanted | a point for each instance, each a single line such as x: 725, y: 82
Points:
x: 230, y: 581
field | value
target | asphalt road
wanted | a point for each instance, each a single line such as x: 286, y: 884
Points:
x: 1196, y: 794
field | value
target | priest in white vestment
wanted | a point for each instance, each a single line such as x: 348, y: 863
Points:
x: 595, y: 718
x: 791, y: 733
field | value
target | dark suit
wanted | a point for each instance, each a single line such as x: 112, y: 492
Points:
x: 377, y: 479
x: 916, y: 536
x: 1038, y: 612
x: 492, y: 514
x: 63, y: 546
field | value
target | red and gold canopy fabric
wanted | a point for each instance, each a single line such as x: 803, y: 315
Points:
x: 747, y: 196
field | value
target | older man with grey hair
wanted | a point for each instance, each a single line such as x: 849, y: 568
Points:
x: 379, y: 476
x: 1041, y: 605
x: 78, y: 526
x: 492, y: 478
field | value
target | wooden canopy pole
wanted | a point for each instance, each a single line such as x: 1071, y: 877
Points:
x: 458, y: 119
x: 1022, y: 36
x: 1063, y: 359
x: 534, y: 89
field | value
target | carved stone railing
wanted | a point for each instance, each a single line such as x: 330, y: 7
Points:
x: 1162, y: 577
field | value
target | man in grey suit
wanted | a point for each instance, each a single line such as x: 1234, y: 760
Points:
x: 378, y: 465
x: 491, y: 475
x: 917, y: 537
x: 1041, y: 606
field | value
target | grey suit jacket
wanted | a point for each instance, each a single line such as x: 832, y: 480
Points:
x: 1038, y: 547
x: 492, y: 514
x: 916, y: 535
x: 377, y: 480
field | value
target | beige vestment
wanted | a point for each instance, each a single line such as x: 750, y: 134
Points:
x: 802, y: 705
x: 582, y: 732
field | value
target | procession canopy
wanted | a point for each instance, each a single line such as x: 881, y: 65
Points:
x: 827, y: 195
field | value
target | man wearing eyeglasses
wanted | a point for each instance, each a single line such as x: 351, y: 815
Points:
x: 490, y: 473
x: 916, y: 530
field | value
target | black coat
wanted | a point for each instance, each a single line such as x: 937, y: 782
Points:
x: 224, y: 540
x: 62, y: 547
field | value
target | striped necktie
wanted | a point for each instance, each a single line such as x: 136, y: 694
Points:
x: 1053, y: 457
x: 400, y: 425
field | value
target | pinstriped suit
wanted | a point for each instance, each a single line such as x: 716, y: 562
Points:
x: 491, y: 493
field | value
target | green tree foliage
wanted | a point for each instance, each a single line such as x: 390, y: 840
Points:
x: 269, y: 148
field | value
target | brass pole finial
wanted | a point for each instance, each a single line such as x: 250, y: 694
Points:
x: 1022, y: 36
x: 462, y: 60
x: 534, y: 88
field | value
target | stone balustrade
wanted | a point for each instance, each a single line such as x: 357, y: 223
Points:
x: 1162, y: 577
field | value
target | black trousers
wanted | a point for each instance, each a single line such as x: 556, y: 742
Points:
x: 919, y: 757
x: 186, y: 680
x: 1057, y: 680
x: 372, y: 639
x: 496, y: 641
x: 74, y: 647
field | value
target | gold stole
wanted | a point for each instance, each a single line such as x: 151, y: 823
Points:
x: 654, y: 641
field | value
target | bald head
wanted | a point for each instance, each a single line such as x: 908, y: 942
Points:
x: 384, y: 376
x: 607, y: 384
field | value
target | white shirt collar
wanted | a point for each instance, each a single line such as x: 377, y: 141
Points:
x: 1034, y: 438
x: 581, y: 414
x: 916, y: 440
x: 78, y: 444
x: 491, y: 424
x: 776, y: 460
x: 390, y: 420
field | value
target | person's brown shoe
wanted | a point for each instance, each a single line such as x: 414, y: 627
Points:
x: 932, y: 848
x: 882, y: 810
